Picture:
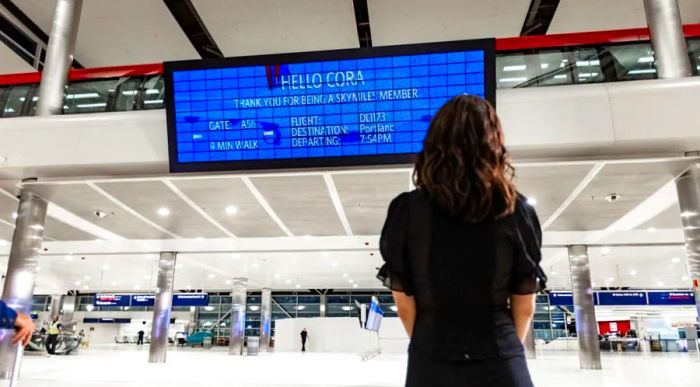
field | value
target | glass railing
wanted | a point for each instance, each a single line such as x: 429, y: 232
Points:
x: 514, y: 69
x: 582, y: 65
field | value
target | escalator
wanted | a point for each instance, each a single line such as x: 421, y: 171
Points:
x: 68, y: 343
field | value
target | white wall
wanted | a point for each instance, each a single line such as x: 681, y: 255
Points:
x: 338, y: 334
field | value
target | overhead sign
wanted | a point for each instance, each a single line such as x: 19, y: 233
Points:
x: 622, y: 298
x: 363, y: 106
x: 191, y: 299
x: 671, y: 298
x: 143, y: 300
x: 148, y: 300
x: 112, y: 300
x: 561, y: 298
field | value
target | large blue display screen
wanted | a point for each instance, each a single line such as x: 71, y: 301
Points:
x: 343, y: 107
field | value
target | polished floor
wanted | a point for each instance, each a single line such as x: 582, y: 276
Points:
x: 126, y: 366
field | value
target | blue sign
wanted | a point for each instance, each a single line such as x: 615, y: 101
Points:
x: 319, y: 109
x: 143, y: 300
x: 191, y: 299
x: 672, y: 298
x: 112, y: 300
x: 622, y: 298
x: 561, y: 298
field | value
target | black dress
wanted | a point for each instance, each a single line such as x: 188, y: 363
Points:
x: 462, y: 275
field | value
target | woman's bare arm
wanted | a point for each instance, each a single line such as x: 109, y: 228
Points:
x: 406, y: 307
x: 522, y: 307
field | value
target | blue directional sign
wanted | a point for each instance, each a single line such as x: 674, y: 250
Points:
x: 191, y: 299
x: 143, y: 300
x: 319, y: 109
x: 112, y: 300
x: 672, y: 298
x: 561, y: 298
x: 622, y: 298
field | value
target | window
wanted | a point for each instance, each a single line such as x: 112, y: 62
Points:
x: 15, y: 100
x: 89, y: 96
x: 152, y: 94
x: 126, y: 95
x: 633, y: 61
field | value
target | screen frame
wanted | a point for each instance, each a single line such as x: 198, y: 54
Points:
x: 487, y: 45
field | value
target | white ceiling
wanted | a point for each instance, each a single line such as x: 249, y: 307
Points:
x: 597, y: 15
x: 419, y: 21
x: 11, y: 62
x: 304, y: 207
x: 120, y: 32
x: 250, y: 27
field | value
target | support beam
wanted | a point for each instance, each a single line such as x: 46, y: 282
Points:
x: 584, y: 309
x: 364, y: 33
x: 162, y: 307
x: 192, y: 25
x: 265, y: 319
x: 667, y: 38
x: 59, y: 57
x: 238, y: 298
x: 688, y: 187
x: 539, y: 17
x: 21, y: 270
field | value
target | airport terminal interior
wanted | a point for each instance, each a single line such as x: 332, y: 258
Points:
x: 187, y: 185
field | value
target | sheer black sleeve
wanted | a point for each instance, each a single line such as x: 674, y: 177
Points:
x: 528, y: 277
x: 395, y: 273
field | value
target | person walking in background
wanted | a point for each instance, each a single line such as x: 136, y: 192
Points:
x: 462, y: 255
x: 139, y: 341
x: 304, y: 337
x: 20, y: 322
x: 52, y: 338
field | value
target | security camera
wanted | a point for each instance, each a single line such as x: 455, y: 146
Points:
x: 99, y: 213
x: 613, y: 197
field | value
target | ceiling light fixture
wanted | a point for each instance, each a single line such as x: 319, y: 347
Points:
x: 514, y: 68
x: 633, y: 272
x: 298, y: 286
x: 163, y: 211
x: 354, y: 285
x: 68, y: 257
x: 77, y: 283
x: 345, y: 275
x: 3, y: 242
x: 105, y: 267
x: 277, y: 276
x: 231, y: 210
x: 100, y: 214
x: 688, y: 214
x: 394, y: 308
x: 229, y: 282
x: 254, y: 308
x: 255, y: 265
x: 288, y: 281
x: 351, y: 281
x: 114, y: 283
x: 211, y: 276
x: 301, y: 307
x: 532, y: 201
x: 335, y: 264
x: 87, y: 277
x: 346, y: 308
x: 651, y: 230
x: 199, y: 239
x: 137, y: 287
x: 684, y: 278
x: 14, y: 215
x: 605, y: 250
x: 660, y: 283
x: 675, y: 259
x: 554, y: 273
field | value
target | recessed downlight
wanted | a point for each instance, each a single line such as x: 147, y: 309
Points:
x: 532, y: 201
x: 675, y: 259
x: 633, y: 272
x: 164, y: 211
x: 651, y: 230
x: 231, y: 210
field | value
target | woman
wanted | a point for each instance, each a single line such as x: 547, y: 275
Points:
x: 462, y: 254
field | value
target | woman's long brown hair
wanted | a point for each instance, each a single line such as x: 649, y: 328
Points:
x: 464, y: 166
